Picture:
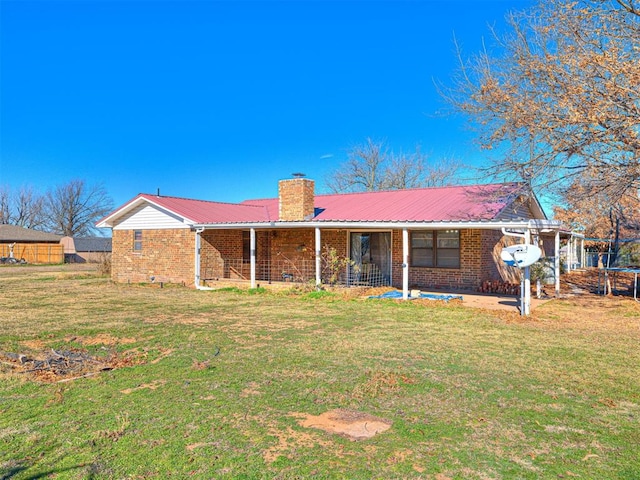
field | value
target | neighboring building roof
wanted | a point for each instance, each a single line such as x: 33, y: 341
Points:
x: 92, y: 244
x: 463, y: 203
x: 14, y: 233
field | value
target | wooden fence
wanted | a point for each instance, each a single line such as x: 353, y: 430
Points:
x: 35, y: 252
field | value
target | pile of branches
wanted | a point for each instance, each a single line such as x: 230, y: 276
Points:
x: 57, y: 364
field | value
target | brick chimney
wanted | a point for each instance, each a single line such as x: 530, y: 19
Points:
x: 296, y: 197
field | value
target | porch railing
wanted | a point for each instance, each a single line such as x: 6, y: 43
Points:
x: 301, y: 271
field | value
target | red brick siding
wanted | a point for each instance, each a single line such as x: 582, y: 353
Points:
x: 167, y: 255
x: 478, y: 262
x: 493, y: 268
x: 216, y: 248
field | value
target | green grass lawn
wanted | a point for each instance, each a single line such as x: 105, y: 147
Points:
x: 214, y: 385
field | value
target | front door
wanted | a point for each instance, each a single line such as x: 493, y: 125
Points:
x: 370, y: 254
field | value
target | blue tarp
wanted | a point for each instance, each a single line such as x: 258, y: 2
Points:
x: 431, y: 296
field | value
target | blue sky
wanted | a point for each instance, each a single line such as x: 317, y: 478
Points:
x: 219, y: 100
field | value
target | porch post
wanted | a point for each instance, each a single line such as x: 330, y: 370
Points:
x: 556, y: 263
x: 569, y: 253
x: 253, y: 258
x: 318, y: 258
x: 582, y: 253
x: 405, y: 264
x: 526, y: 295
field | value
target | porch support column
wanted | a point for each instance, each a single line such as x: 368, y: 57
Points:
x: 405, y: 264
x: 253, y: 257
x: 526, y: 294
x: 569, y: 253
x: 318, y: 258
x: 582, y: 253
x: 556, y: 263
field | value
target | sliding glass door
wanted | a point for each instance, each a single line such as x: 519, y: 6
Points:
x: 370, y: 254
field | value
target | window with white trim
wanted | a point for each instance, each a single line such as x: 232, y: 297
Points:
x: 137, y: 240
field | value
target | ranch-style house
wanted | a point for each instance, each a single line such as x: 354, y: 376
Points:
x: 445, y: 237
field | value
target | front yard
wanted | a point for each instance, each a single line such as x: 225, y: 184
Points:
x: 249, y: 384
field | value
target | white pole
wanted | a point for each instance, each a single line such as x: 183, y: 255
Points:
x: 569, y: 253
x: 405, y: 264
x: 556, y: 263
x: 318, y: 258
x: 526, y: 295
x: 253, y: 258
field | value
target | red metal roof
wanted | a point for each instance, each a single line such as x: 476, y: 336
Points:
x: 438, y: 204
x: 202, y: 211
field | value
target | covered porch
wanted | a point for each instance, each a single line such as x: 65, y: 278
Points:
x: 345, y: 254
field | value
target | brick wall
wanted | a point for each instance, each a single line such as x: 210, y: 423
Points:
x: 296, y: 197
x: 217, y: 247
x: 493, y: 268
x: 477, y: 263
x: 167, y: 255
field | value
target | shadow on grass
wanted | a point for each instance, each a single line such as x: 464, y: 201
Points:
x: 13, y: 471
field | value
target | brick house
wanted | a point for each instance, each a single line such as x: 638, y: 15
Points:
x: 446, y: 237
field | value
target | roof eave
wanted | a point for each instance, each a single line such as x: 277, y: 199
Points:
x: 539, y: 225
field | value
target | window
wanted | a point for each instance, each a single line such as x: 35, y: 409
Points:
x: 137, y: 240
x: 437, y: 248
x: 422, y: 249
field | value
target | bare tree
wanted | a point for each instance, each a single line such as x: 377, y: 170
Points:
x: 73, y: 208
x: 29, y: 209
x: 561, y: 101
x: 24, y: 208
x: 372, y: 166
x: 5, y: 205
x: 362, y: 170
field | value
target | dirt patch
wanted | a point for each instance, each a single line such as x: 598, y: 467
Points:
x: 34, y: 344
x: 349, y: 423
x: 102, y: 339
x: 252, y: 389
x: 150, y: 386
x: 288, y: 441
